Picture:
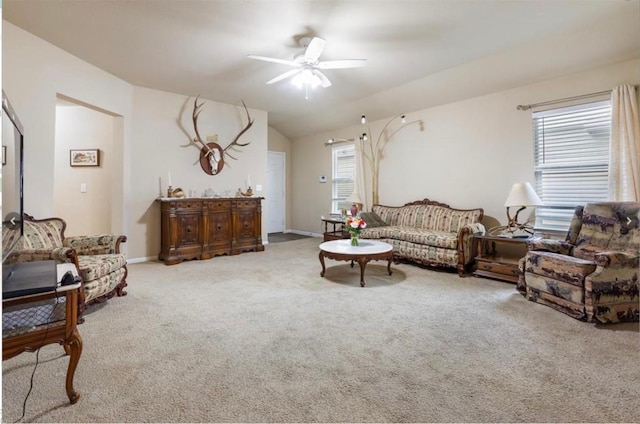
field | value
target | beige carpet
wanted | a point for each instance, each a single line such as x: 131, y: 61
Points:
x: 261, y: 337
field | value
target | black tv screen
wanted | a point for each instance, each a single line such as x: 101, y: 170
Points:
x: 12, y: 178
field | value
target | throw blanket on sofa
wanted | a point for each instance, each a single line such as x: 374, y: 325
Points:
x: 427, y: 232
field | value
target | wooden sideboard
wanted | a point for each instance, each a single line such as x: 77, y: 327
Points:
x: 201, y: 228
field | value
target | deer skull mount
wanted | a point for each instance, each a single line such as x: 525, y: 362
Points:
x: 212, y: 155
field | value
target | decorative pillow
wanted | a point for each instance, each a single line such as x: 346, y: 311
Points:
x: 372, y: 219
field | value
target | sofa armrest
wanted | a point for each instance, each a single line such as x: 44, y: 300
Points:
x: 101, y: 244
x: 465, y: 244
x: 58, y: 254
x: 550, y: 245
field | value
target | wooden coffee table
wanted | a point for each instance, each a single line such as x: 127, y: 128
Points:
x: 368, y: 250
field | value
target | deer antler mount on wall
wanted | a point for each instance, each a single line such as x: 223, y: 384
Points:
x: 212, y: 155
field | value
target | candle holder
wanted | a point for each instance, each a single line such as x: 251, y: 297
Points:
x: 169, y: 192
x: 247, y: 193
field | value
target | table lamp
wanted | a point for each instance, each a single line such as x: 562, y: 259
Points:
x: 521, y: 196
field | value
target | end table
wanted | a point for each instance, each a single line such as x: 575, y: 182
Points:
x: 498, y: 256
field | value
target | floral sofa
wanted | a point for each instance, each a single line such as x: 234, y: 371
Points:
x: 592, y: 275
x: 100, y: 264
x: 426, y: 232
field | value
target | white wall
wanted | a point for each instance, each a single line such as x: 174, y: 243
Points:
x: 469, y: 154
x: 78, y: 127
x: 34, y: 74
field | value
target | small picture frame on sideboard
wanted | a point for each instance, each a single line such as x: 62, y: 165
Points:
x: 84, y: 157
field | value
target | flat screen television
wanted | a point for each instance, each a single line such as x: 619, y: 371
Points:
x: 12, y: 178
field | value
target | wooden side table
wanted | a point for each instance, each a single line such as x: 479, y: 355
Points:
x: 497, y: 257
x: 30, y: 322
x: 335, y: 233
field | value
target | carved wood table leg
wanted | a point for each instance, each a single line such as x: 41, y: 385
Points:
x: 322, y: 263
x: 74, y: 347
x: 362, y: 261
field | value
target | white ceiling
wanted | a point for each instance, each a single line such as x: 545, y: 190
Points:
x: 446, y: 50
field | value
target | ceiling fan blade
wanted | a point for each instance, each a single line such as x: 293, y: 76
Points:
x: 324, y: 81
x: 314, y: 49
x: 273, y: 59
x: 284, y: 76
x: 342, y: 64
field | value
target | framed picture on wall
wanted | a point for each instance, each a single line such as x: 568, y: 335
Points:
x: 86, y: 157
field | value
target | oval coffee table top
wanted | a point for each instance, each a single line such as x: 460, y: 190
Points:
x: 366, y: 247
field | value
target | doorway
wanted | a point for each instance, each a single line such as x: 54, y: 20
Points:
x: 86, y: 188
x: 275, y: 204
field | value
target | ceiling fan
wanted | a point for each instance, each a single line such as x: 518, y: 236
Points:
x: 307, y: 66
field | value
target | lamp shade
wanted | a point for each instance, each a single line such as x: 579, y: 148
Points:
x: 354, y: 198
x: 522, y: 194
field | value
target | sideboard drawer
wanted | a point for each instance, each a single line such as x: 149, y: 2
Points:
x: 188, y: 206
x: 218, y: 205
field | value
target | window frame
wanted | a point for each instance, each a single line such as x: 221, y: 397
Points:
x: 342, y: 177
x: 571, y: 158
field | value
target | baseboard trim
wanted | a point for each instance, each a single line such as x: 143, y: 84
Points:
x: 144, y: 259
x: 304, y: 233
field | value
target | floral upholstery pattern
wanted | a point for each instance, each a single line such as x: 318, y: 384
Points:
x: 593, y: 275
x: 428, y: 233
x: 103, y: 244
x: 100, y: 264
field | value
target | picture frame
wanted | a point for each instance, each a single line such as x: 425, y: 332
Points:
x: 84, y: 157
x: 4, y: 155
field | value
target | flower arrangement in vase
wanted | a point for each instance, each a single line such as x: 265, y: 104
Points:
x: 354, y: 225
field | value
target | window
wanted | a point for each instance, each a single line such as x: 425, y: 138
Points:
x: 344, y: 167
x: 571, y: 160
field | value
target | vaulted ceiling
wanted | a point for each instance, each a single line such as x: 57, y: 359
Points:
x: 420, y: 53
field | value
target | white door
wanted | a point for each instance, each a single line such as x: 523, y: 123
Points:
x: 275, y: 201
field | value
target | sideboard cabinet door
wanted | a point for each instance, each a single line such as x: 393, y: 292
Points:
x: 247, y: 226
x: 218, y: 230
x: 182, y: 235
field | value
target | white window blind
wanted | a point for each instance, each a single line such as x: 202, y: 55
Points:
x: 571, y: 160
x: 344, y: 167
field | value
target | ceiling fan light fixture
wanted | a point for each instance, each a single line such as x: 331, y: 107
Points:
x: 307, y: 73
x: 306, y: 78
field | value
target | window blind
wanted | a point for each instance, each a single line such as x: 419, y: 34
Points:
x: 344, y: 168
x: 571, y: 149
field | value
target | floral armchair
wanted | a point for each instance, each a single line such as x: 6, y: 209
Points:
x: 593, y: 274
x: 100, y: 264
